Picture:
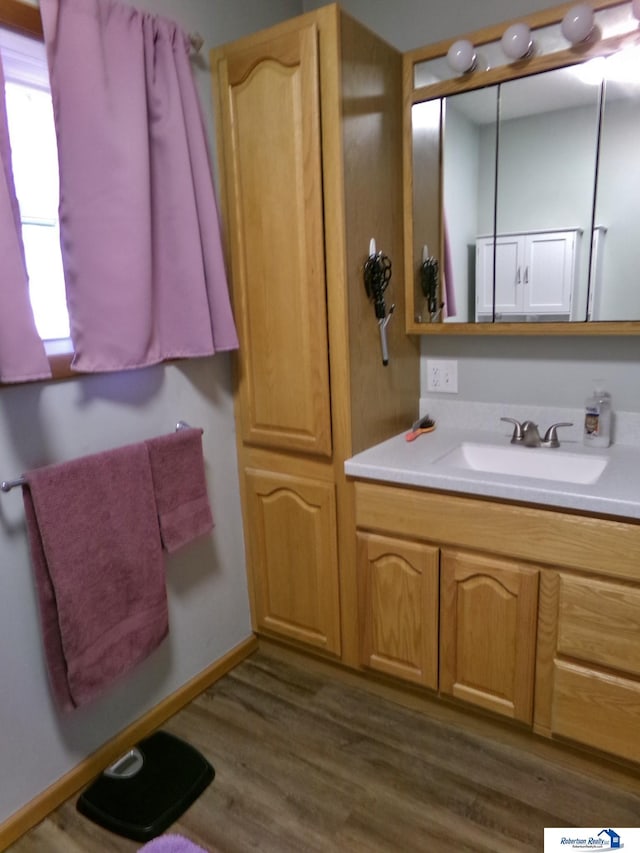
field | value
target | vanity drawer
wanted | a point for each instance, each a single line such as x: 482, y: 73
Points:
x: 598, y: 709
x: 599, y: 622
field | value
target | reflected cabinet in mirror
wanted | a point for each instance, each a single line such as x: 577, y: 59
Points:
x: 524, y: 210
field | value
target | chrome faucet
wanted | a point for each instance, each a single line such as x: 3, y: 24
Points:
x: 527, y: 433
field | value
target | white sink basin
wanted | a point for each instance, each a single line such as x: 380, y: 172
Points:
x: 540, y: 462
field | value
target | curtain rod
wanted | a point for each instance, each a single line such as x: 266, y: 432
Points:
x: 16, y: 14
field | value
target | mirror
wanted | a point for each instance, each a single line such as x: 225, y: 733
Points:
x: 616, y: 295
x: 469, y: 152
x: 533, y: 217
x: 520, y: 158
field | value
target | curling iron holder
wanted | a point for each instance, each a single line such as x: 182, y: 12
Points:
x: 429, y: 283
x: 377, y: 274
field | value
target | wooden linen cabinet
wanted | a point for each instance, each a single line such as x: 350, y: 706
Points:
x: 309, y: 141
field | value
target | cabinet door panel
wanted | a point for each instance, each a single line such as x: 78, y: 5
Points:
x: 398, y: 593
x: 291, y: 526
x: 488, y: 631
x: 272, y: 157
x: 550, y: 261
x: 509, y: 275
x: 484, y: 276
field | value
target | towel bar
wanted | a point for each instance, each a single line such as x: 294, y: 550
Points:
x: 7, y: 485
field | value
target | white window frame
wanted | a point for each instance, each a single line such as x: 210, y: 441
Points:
x: 24, y: 62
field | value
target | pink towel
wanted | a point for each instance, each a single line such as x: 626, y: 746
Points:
x: 177, y: 468
x: 98, y: 564
x: 171, y: 844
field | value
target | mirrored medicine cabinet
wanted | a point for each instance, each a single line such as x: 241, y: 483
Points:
x: 523, y: 209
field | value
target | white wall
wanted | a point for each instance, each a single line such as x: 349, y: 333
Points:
x: 461, y: 175
x: 407, y: 24
x: 540, y: 371
x: 621, y: 261
x: 546, y: 171
x: 52, y: 422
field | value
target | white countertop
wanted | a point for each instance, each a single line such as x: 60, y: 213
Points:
x: 616, y: 492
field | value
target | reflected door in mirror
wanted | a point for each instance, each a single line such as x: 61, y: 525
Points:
x: 617, y: 212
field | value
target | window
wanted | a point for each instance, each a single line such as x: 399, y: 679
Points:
x: 149, y: 283
x: 35, y: 170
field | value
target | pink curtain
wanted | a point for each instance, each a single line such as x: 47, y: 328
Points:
x: 22, y: 355
x: 139, y: 225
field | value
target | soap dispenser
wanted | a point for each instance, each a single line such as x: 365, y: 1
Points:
x: 597, y: 418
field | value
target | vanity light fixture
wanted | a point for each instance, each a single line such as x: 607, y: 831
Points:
x: 517, y: 42
x: 462, y: 57
x: 577, y: 25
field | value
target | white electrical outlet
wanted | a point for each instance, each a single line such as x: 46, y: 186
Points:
x: 442, y: 375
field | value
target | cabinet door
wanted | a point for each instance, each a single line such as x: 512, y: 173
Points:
x: 484, y: 276
x: 269, y: 105
x: 509, y: 275
x: 549, y: 272
x: 398, y: 596
x: 488, y: 611
x: 291, y: 539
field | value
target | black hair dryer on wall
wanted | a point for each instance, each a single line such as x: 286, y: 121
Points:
x: 377, y: 274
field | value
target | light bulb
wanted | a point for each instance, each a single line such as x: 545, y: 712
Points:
x: 577, y: 24
x: 517, y: 42
x: 461, y: 56
x: 635, y: 8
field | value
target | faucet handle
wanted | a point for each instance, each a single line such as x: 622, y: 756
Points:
x: 518, y: 434
x: 551, y: 435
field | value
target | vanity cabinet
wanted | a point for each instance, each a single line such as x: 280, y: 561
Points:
x: 535, y: 274
x: 539, y: 610
x: 488, y: 619
x: 308, y: 115
x: 453, y: 619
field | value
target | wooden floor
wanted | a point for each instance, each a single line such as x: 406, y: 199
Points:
x: 306, y: 762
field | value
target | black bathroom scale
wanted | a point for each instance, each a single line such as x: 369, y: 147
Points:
x: 145, y: 791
